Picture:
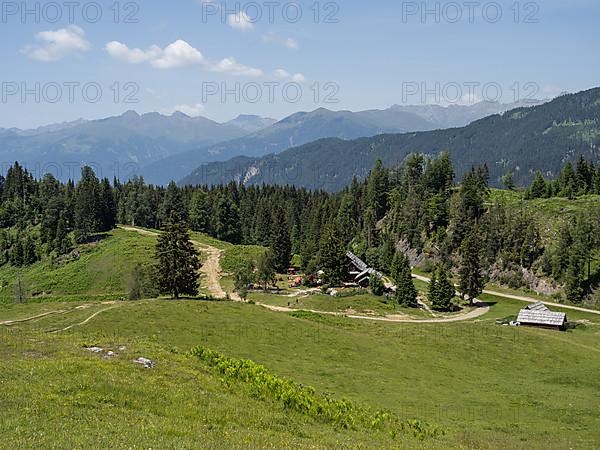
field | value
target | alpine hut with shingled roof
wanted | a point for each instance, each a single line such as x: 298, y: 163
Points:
x: 538, y: 315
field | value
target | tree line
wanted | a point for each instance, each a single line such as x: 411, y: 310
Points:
x: 416, y: 211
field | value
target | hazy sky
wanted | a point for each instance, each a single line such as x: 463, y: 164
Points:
x: 347, y: 55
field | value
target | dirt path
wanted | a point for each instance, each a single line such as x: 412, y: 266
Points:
x: 524, y: 299
x: 86, y: 320
x: 478, y: 312
x: 29, y: 319
x: 211, y: 266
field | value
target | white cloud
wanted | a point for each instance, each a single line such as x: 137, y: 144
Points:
x: 177, y: 54
x: 240, y: 21
x: 272, y: 38
x: 231, y: 66
x: 291, y: 43
x: 298, y: 78
x: 55, y: 45
x: 282, y: 74
x: 123, y: 53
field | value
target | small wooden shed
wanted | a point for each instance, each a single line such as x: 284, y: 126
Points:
x: 538, y: 315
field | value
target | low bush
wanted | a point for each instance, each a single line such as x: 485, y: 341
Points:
x: 304, y: 399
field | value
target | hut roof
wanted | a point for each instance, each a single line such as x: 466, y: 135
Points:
x: 539, y: 314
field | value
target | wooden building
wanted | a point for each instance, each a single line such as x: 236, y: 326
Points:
x: 538, y: 315
x: 360, y: 273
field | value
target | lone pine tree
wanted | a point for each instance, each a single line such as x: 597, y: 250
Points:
x: 441, y: 291
x: 178, y: 262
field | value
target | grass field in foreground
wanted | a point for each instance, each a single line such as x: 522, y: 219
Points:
x: 488, y: 386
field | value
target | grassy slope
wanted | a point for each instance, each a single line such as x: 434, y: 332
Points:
x: 489, y: 386
x: 549, y: 213
x: 57, y: 395
x: 102, y: 270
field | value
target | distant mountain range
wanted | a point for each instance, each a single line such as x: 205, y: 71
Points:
x: 164, y: 148
x: 116, y: 145
x: 521, y: 140
x: 304, y: 127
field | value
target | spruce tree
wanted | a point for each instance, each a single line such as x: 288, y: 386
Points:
x: 406, y: 293
x: 377, y: 285
x: 108, y: 208
x: 49, y: 226
x: 346, y: 222
x: 596, y: 182
x: 508, y: 181
x: 568, y: 181
x: 200, y: 212
x: 29, y: 250
x: 16, y: 257
x: 63, y: 243
x: 471, y: 279
x: 560, y: 260
x: 178, y: 262
x: 538, y: 187
x: 262, y: 223
x: 583, y: 175
x: 87, y: 205
x: 281, y: 245
x: 332, y: 257
x: 470, y: 204
x: 377, y: 190
x: 445, y: 291
x: 227, y: 220
x: 574, y: 280
x: 173, y: 203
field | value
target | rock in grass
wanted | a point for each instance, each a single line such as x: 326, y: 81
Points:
x: 147, y: 363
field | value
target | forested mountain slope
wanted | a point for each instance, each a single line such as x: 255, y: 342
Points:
x: 523, y: 140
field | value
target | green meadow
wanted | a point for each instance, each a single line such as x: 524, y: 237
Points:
x: 469, y: 385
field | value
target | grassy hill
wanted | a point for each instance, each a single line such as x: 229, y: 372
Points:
x: 548, y: 212
x: 101, y: 270
x: 481, y: 384
x: 486, y: 386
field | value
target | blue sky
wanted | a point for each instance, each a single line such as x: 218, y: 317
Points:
x: 373, y: 54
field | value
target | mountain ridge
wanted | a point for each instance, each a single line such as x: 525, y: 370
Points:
x: 522, y: 140
x: 308, y: 126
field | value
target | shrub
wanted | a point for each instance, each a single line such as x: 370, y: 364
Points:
x: 304, y: 399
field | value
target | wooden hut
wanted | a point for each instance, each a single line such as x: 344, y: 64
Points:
x: 538, y: 315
